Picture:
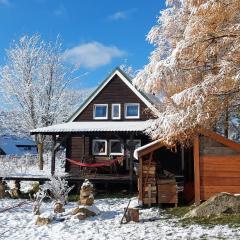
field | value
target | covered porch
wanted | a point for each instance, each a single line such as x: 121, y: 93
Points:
x: 101, y: 151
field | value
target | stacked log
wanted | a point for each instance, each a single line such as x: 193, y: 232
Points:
x: 86, y: 194
x: 149, y: 183
x: 167, y: 191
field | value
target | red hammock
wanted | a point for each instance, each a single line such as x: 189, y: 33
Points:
x: 100, y: 164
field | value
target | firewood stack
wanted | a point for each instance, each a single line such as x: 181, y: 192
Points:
x: 149, y: 183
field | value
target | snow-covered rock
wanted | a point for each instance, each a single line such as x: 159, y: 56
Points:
x: 44, y: 218
x: 216, y: 205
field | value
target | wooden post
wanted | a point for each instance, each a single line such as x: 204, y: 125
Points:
x: 131, y: 162
x: 140, y: 180
x: 53, y: 160
x: 84, y: 146
x: 182, y: 158
x: 196, y: 150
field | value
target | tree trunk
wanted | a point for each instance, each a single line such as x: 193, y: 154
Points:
x: 40, y: 156
x: 39, y: 141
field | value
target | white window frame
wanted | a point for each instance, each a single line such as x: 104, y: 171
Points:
x: 115, y: 154
x: 119, y: 112
x: 131, y: 104
x: 99, y: 140
x: 94, y: 111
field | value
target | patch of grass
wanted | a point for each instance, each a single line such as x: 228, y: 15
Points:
x: 114, y: 195
x: 230, y: 220
x: 179, y: 211
x: 73, y: 197
x: 227, y: 219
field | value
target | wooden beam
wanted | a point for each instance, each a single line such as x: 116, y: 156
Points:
x: 57, y: 145
x: 225, y: 141
x: 196, y: 150
x: 53, y: 159
x: 150, y: 149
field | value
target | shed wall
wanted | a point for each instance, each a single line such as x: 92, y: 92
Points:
x: 219, y: 168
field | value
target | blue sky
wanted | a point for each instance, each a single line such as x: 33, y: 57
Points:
x: 98, y: 35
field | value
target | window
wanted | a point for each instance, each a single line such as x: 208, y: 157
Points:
x: 132, y: 110
x: 116, y: 148
x: 136, y: 143
x: 116, y: 111
x: 100, y: 111
x: 99, y: 147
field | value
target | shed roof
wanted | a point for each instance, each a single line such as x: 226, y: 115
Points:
x: 152, y: 146
x: 95, y: 126
x: 9, y: 145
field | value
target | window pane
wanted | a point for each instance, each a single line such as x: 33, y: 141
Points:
x: 100, y: 111
x: 115, y: 111
x: 132, y: 111
x: 116, y: 147
x: 99, y: 147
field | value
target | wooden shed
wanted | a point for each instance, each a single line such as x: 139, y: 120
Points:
x: 211, y: 166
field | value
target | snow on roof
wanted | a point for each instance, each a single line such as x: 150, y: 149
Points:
x: 9, y: 145
x: 95, y: 126
x: 144, y: 147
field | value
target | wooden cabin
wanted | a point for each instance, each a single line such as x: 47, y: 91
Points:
x: 109, y: 125
x: 211, y: 166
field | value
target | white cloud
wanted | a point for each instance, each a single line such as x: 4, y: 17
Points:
x: 121, y: 15
x: 118, y: 15
x: 5, y: 2
x: 92, y: 54
x: 61, y: 10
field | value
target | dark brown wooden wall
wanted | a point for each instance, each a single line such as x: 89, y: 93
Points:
x: 116, y: 91
x: 219, y: 169
x: 77, y: 149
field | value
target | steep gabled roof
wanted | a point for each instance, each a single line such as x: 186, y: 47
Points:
x: 127, y: 80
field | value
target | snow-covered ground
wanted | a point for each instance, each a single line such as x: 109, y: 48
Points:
x: 20, y: 224
x: 27, y: 166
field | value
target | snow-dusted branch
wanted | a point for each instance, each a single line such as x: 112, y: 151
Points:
x: 195, y: 66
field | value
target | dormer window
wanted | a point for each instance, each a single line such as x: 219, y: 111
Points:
x: 132, y: 110
x: 116, y: 111
x: 100, y: 111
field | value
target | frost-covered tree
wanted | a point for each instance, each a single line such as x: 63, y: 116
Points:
x: 58, y: 189
x: 11, y: 123
x: 194, y: 66
x: 35, y: 81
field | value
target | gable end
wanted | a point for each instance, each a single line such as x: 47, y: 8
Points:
x: 122, y: 76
